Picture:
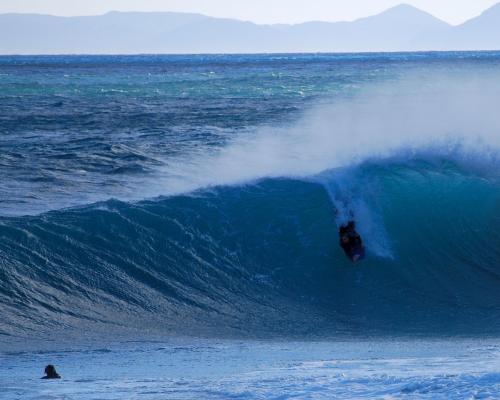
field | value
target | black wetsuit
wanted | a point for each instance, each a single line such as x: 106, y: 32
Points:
x: 355, y: 245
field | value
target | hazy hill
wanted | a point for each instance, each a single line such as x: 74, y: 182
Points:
x: 395, y: 29
x: 482, y: 32
x: 400, y: 28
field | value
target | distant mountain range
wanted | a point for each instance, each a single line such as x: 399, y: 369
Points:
x: 402, y: 28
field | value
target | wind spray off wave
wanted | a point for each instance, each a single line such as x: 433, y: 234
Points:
x: 452, y: 119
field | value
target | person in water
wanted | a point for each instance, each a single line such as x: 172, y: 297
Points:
x: 351, y: 242
x: 50, y: 372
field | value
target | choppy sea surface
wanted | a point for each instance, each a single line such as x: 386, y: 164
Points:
x: 200, y: 196
x: 204, y: 369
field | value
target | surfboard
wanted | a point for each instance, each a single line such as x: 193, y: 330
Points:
x: 358, y: 254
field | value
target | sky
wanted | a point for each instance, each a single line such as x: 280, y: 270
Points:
x: 259, y: 11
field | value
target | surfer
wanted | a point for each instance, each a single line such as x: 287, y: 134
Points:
x: 351, y: 242
x: 50, y: 372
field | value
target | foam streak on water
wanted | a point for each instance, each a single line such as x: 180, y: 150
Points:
x: 259, y: 370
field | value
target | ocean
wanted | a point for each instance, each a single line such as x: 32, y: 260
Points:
x: 165, y: 217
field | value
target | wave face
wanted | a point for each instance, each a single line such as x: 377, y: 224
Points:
x: 256, y: 259
x: 228, y: 226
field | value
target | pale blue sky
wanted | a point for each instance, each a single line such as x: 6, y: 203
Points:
x: 260, y: 11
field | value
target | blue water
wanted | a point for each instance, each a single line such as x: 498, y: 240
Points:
x: 227, y: 369
x: 201, y: 195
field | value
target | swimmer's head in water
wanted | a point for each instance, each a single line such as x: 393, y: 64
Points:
x: 50, y: 372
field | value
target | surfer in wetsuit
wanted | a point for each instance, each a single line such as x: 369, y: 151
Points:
x: 50, y: 372
x: 351, y: 242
